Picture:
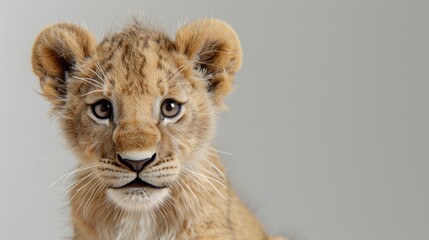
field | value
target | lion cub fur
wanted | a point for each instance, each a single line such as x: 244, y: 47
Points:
x: 136, y: 69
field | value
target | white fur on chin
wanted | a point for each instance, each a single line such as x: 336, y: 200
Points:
x: 138, y: 199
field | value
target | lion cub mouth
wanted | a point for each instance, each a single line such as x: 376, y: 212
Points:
x: 138, y: 183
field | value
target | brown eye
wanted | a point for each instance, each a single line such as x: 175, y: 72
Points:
x: 170, y: 108
x: 102, y: 109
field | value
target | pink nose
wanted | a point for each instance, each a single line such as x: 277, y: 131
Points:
x: 136, y: 165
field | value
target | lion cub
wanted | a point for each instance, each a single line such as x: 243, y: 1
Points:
x: 138, y: 109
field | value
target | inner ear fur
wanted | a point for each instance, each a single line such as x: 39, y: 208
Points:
x: 55, y: 51
x: 215, y: 47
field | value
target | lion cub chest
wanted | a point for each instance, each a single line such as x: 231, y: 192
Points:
x: 137, y: 228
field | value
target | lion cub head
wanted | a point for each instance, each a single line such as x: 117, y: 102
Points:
x: 138, y: 107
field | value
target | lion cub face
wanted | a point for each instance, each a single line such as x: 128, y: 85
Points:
x: 138, y: 108
x: 139, y: 113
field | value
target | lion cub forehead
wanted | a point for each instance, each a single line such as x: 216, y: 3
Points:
x: 140, y: 59
x: 137, y: 45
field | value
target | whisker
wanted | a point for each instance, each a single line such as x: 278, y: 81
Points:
x: 207, y: 177
x: 179, y: 70
x: 212, y: 165
x: 94, y: 72
x: 81, y: 201
x: 192, y: 192
x: 202, y: 186
x: 219, y: 151
x: 52, y: 157
x: 103, y: 72
x: 93, y: 91
x: 67, y: 175
x: 90, y: 81
x: 75, y: 184
x: 214, y: 187
x: 92, y: 196
x: 187, y: 198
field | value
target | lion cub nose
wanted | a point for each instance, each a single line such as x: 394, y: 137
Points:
x: 136, y: 161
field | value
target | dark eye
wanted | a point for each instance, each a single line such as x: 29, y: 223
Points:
x: 102, y: 109
x: 170, y: 108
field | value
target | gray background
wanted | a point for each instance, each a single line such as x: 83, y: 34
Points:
x: 328, y: 126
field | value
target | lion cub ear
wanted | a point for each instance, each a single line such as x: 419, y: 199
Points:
x: 215, y: 48
x: 56, y: 50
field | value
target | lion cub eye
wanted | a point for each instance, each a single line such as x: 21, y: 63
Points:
x: 170, y: 108
x: 102, y: 109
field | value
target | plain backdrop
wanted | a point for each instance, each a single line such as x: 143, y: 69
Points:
x: 327, y: 136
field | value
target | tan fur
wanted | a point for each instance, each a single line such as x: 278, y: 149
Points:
x: 136, y: 69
